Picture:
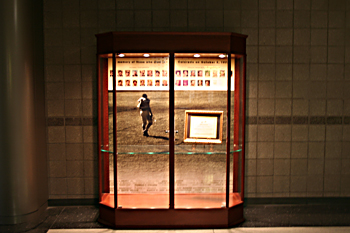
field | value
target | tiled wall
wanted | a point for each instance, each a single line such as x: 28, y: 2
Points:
x: 298, y: 87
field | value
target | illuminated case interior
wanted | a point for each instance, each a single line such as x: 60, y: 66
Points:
x: 188, y: 172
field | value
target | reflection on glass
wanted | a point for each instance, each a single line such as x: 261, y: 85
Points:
x: 106, y: 158
x: 142, y: 126
x: 237, y: 126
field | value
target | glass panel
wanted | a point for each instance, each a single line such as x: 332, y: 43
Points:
x: 241, y: 125
x: 105, y: 136
x: 142, y: 123
x: 200, y: 130
x: 236, y: 131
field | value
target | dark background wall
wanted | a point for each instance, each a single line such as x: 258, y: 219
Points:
x: 298, y: 87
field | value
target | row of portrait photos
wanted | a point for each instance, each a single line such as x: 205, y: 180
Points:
x: 163, y: 82
x: 164, y: 73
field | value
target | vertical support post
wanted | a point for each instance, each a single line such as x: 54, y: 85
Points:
x: 243, y: 123
x: 236, y: 124
x: 171, y: 131
x: 115, y: 133
x: 23, y: 159
x: 228, y: 129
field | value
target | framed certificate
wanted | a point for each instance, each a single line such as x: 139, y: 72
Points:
x: 203, y: 126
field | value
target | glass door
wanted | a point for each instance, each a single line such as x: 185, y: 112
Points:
x: 138, y: 120
x: 200, y: 113
x: 142, y: 121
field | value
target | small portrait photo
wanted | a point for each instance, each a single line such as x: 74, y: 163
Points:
x: 127, y: 83
x: 164, y: 73
x: 222, y: 73
x: 142, y: 82
x: 178, y: 73
x: 149, y: 73
x: 120, y: 73
x: 215, y: 73
x: 207, y: 73
x: 185, y: 73
x: 200, y: 73
x: 157, y: 83
x: 120, y: 83
x: 200, y: 83
x: 134, y: 73
x: 127, y: 73
x: 134, y: 83
x: 111, y: 73
x: 149, y: 82
x: 142, y: 73
x: 193, y: 73
x: 185, y: 83
x: 157, y: 72
x: 207, y: 83
x: 165, y: 83
x: 178, y: 82
x: 193, y: 83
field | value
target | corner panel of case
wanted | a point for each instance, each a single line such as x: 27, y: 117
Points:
x: 238, y: 44
x: 104, y: 43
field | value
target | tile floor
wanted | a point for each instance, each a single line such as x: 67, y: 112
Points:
x: 235, y: 230
x: 259, y: 218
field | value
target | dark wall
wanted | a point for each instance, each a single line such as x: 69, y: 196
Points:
x: 298, y: 82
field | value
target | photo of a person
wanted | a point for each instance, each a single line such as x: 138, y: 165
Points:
x: 200, y: 82
x: 134, y: 83
x: 222, y: 73
x: 164, y: 73
x: 185, y: 73
x: 207, y: 83
x: 142, y: 82
x: 120, y: 83
x: 178, y: 73
x: 185, y: 83
x: 215, y: 73
x: 200, y: 73
x: 149, y: 73
x: 157, y: 83
x: 134, y: 73
x: 193, y: 73
x: 120, y: 73
x: 127, y: 83
x: 149, y: 82
x: 142, y: 73
x: 127, y: 73
x: 193, y: 83
x: 145, y: 113
x: 165, y: 83
x: 207, y: 73
x: 157, y: 73
x: 178, y: 83
x: 111, y: 73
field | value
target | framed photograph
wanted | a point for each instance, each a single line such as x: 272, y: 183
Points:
x: 203, y: 126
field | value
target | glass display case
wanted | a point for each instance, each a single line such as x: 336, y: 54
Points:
x: 171, y: 117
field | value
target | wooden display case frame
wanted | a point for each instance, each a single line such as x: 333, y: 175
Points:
x: 231, y: 213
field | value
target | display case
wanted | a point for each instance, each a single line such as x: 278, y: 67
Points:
x: 171, y: 118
